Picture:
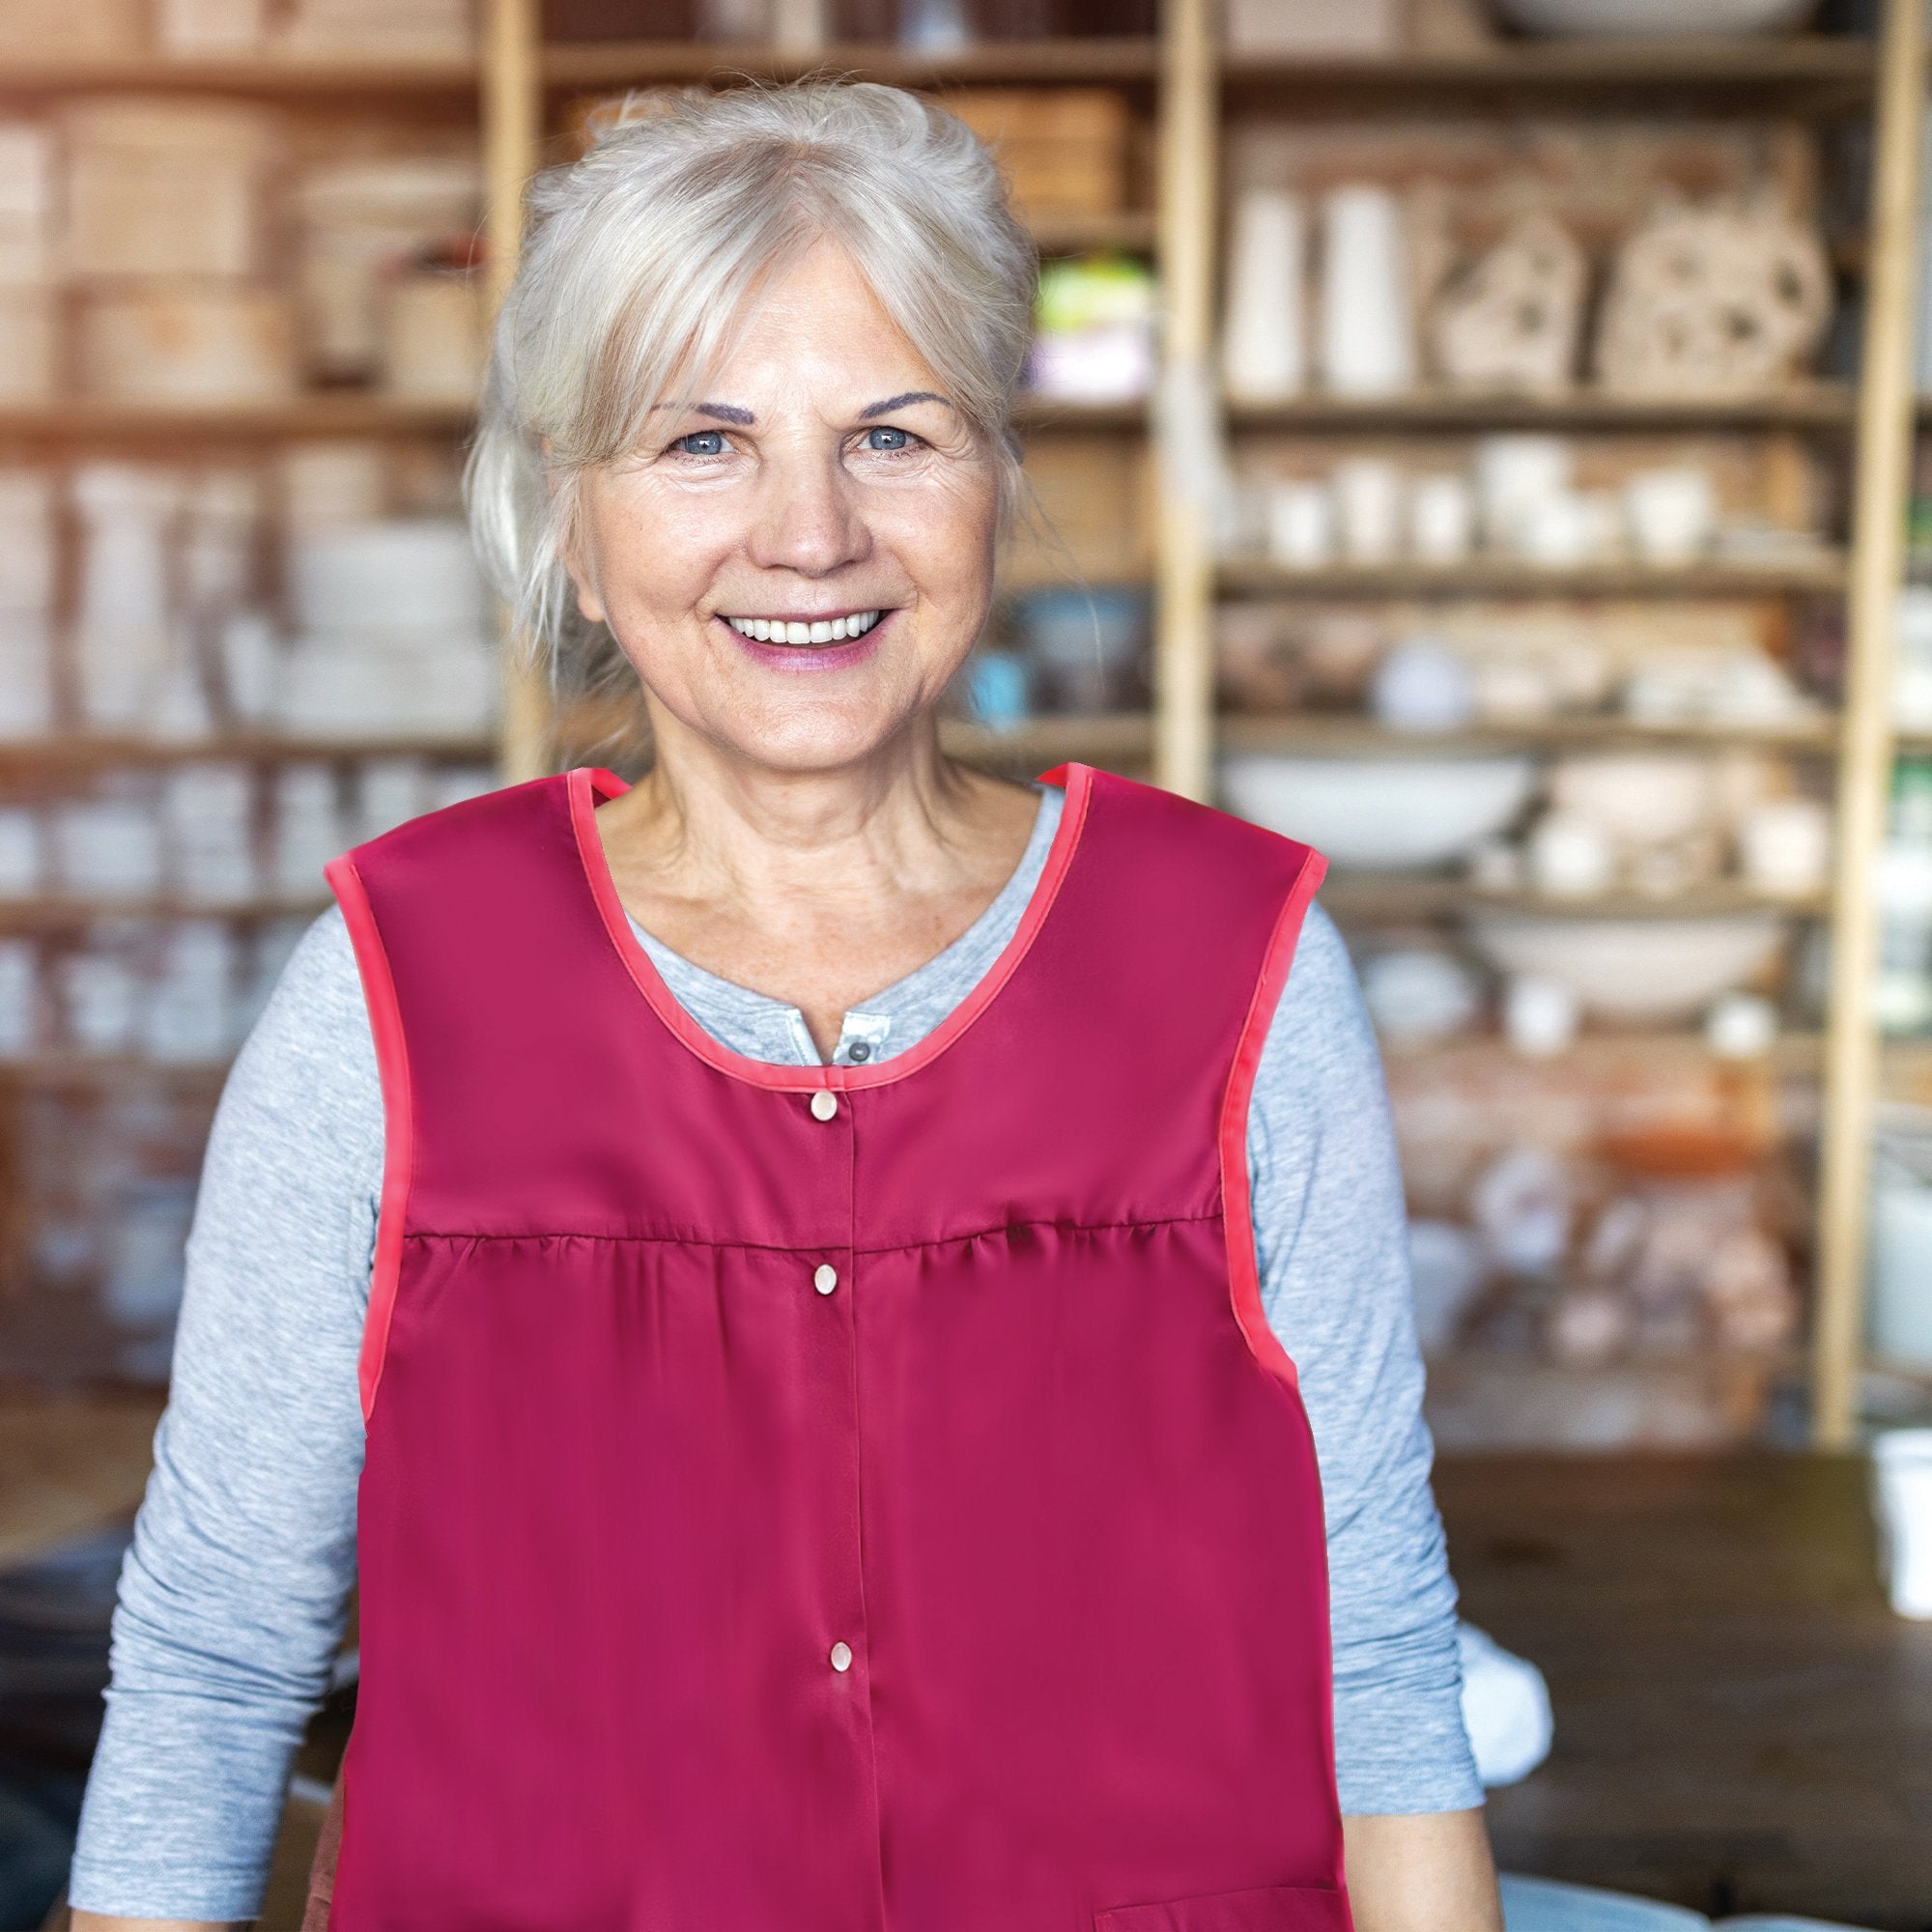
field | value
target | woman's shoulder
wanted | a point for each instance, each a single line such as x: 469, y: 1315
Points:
x: 310, y: 1051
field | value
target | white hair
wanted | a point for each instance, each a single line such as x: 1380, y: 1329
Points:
x: 640, y: 253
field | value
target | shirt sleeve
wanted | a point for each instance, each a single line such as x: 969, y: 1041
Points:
x: 234, y: 1593
x: 1331, y: 1248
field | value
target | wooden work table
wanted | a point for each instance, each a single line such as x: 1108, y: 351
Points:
x: 1741, y: 1724
x: 69, y: 1464
x: 1740, y: 1721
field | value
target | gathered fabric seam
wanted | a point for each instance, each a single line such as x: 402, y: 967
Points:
x: 682, y: 1239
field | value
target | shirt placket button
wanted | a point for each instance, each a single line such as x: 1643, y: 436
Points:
x: 825, y: 1277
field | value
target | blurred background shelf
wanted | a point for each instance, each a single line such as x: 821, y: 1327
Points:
x: 1813, y: 405
x: 257, y: 747
x: 326, y: 415
x: 1047, y: 62
x: 1332, y: 735
x: 1490, y: 577
x: 1359, y: 895
x: 398, y: 79
x: 1188, y: 122
x: 1806, y: 74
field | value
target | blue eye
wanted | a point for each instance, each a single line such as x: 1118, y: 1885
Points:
x: 717, y: 436
x: 886, y: 429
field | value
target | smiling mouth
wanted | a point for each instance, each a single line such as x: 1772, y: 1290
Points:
x: 815, y: 631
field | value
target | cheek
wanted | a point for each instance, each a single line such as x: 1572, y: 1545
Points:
x: 946, y: 541
x: 657, y: 557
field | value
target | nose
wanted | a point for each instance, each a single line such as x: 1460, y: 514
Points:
x: 807, y: 517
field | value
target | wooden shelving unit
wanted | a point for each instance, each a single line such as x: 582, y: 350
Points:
x: 516, y: 87
x: 1489, y: 577
x: 1194, y: 84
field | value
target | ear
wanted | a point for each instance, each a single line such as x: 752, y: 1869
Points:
x: 570, y: 552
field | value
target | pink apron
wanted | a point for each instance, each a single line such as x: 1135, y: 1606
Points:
x: 830, y: 1499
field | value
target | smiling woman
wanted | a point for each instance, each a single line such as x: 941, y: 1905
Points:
x: 803, y: 1291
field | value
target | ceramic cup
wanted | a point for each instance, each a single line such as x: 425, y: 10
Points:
x: 1302, y: 524
x: 1264, y: 341
x: 1786, y: 845
x: 1441, y: 519
x: 1367, y: 325
x: 1541, y: 1015
x: 1571, y: 856
x: 1368, y: 509
x: 1671, y: 512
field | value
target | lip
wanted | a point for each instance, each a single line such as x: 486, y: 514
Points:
x: 799, y: 658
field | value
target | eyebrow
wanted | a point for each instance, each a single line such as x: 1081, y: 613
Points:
x: 899, y: 403
x: 729, y: 412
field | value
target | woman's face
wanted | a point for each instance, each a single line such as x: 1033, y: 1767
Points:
x: 798, y: 560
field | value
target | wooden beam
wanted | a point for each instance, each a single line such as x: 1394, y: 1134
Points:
x: 1185, y: 429
x: 1881, y: 481
x: 512, y: 114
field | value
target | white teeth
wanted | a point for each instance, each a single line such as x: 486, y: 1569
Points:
x: 822, y: 631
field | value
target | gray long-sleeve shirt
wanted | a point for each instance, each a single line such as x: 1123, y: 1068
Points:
x: 234, y: 1593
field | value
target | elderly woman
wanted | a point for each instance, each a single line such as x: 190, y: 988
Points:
x: 805, y: 1290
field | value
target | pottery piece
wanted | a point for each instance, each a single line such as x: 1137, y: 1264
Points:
x: 1264, y: 335
x: 1634, y: 969
x: 1380, y: 815
x: 1713, y: 299
x: 1368, y: 329
x: 1511, y: 319
x: 1660, y: 20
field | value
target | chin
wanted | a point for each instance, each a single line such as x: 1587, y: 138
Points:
x: 818, y: 737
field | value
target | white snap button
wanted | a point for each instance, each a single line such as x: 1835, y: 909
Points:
x: 825, y: 1277
x: 841, y: 1657
x: 824, y: 1105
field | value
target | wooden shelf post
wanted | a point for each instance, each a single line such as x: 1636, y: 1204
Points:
x: 1185, y: 430
x: 1879, y: 488
x: 512, y: 115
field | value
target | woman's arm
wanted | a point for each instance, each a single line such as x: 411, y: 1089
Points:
x: 93, y: 1922
x: 233, y: 1596
x: 1423, y: 1872
x: 1331, y: 1245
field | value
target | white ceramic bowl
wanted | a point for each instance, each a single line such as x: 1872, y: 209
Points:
x: 1380, y: 814
x: 1662, y: 20
x: 1633, y: 969
x: 1645, y: 797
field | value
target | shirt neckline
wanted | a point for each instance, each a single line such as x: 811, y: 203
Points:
x: 872, y: 1018
x: 589, y: 785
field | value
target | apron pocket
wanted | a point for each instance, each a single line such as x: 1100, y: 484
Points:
x: 1274, y: 1908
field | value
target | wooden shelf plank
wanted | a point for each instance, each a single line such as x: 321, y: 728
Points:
x: 1812, y: 404
x: 329, y: 413
x: 1122, y: 738
x: 349, y: 413
x: 1835, y: 69
x: 1338, y: 735
x: 1057, y: 413
x: 53, y: 911
x: 254, y: 748
x: 88, y: 1073
x: 1058, y: 62
x: 1132, y: 230
x: 398, y: 79
x: 1368, y: 896
x: 1504, y: 576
